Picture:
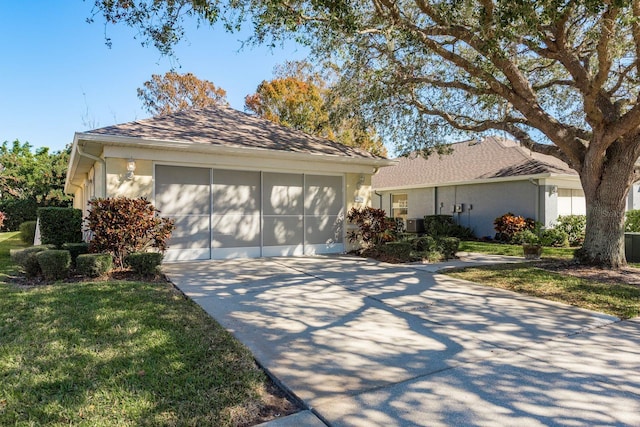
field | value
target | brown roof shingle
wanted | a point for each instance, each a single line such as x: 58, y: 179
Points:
x: 224, y: 126
x: 470, y: 160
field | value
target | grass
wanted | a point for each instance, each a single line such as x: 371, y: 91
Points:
x: 620, y: 300
x: 513, y: 250
x: 117, y: 353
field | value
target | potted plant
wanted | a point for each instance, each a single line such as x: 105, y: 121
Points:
x: 531, y: 245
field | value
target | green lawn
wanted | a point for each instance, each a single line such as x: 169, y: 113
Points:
x: 619, y: 300
x: 512, y: 250
x: 118, y: 353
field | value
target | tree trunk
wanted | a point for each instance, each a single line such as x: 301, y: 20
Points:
x: 606, y: 200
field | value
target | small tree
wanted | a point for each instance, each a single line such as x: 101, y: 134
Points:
x: 122, y: 226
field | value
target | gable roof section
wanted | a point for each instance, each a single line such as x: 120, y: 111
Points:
x: 226, y: 127
x: 490, y: 158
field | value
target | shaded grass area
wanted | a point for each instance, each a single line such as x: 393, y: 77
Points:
x: 513, y: 250
x: 621, y: 300
x: 119, y: 353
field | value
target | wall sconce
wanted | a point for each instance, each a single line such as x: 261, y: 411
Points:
x: 131, y: 167
x: 360, y: 182
x: 553, y: 190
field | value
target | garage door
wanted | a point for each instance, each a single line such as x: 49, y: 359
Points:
x: 230, y: 214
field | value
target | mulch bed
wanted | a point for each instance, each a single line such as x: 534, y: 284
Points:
x: 626, y: 275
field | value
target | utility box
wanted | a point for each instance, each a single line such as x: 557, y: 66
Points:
x: 415, y: 225
x: 632, y: 247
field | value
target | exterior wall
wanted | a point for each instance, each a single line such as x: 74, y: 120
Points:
x: 358, y: 195
x: 481, y: 203
x: 141, y: 185
x: 634, y: 197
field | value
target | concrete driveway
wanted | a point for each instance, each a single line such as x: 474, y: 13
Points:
x: 364, y: 343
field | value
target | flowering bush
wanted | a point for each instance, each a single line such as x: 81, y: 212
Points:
x: 2, y: 218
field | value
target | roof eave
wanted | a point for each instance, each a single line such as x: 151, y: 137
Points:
x: 476, y: 181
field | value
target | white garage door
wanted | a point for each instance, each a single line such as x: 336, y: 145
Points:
x: 229, y: 214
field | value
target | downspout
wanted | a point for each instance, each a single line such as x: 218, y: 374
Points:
x: 379, y: 196
x: 97, y: 159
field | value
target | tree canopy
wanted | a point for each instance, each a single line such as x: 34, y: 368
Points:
x: 301, y: 99
x: 38, y: 176
x: 559, y: 76
x: 174, y: 92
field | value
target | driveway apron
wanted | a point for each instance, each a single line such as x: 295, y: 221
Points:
x: 364, y: 343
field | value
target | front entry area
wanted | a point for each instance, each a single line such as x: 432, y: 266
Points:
x: 222, y: 213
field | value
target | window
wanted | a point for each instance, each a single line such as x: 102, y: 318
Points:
x: 399, y: 206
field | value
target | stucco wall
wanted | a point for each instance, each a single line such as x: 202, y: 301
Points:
x: 634, y: 197
x: 482, y: 203
x: 140, y: 186
x: 357, y: 195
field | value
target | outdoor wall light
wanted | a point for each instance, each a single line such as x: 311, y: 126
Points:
x: 553, y: 190
x: 131, y: 167
x: 360, y: 182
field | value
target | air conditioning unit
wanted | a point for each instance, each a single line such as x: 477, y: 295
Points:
x: 632, y: 247
x: 415, y: 225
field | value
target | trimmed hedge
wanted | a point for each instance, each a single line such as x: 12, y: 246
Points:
x: 28, y: 232
x: 445, y: 226
x: 26, y: 258
x: 94, y: 265
x: 76, y: 249
x: 55, y: 263
x: 60, y: 225
x: 448, y: 246
x: 18, y: 211
x: 145, y: 263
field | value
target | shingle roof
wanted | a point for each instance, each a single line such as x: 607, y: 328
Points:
x: 470, y: 160
x: 224, y: 126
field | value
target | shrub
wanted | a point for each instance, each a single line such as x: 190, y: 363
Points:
x: 374, y: 227
x: 28, y: 232
x: 448, y: 246
x: 525, y: 236
x: 94, y: 265
x: 445, y: 226
x: 60, y: 225
x: 18, y: 211
x: 509, y: 224
x: 122, y: 226
x: 26, y: 258
x: 395, y: 252
x: 76, y: 249
x: 144, y: 262
x: 632, y: 221
x: 424, y: 244
x: 554, y: 237
x: 54, y: 263
x: 574, y: 226
x: 2, y: 218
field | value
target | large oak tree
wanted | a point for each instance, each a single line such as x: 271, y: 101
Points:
x: 560, y: 76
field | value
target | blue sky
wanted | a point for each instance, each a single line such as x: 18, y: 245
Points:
x: 58, y: 77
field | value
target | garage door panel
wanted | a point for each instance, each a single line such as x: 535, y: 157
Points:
x: 323, y: 230
x: 182, y: 190
x: 192, y: 231
x: 280, y: 230
x: 323, y: 195
x: 283, y: 194
x: 232, y: 231
x: 236, y: 192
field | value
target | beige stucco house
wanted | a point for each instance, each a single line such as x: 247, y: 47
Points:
x: 481, y: 180
x: 236, y: 185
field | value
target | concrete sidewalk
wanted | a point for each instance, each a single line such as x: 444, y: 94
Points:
x: 364, y: 343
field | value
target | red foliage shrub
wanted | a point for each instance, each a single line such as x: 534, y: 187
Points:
x: 2, y: 218
x: 509, y: 224
x: 374, y: 227
x: 121, y: 226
